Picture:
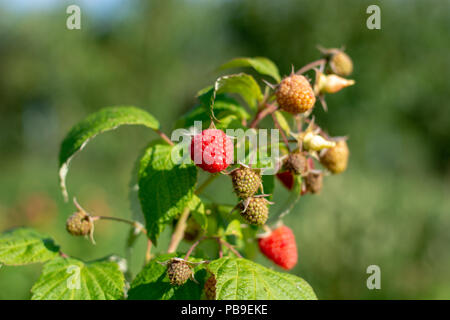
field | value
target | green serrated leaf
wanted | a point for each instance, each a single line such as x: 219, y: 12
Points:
x: 262, y: 65
x: 241, y: 279
x: 72, y: 279
x: 152, y: 282
x: 165, y: 188
x: 98, y: 122
x: 243, y: 84
x: 234, y: 229
x: 24, y: 246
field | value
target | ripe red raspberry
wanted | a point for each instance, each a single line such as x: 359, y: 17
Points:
x: 280, y: 247
x: 295, y: 94
x: 212, y: 150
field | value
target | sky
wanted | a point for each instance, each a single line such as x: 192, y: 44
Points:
x: 94, y: 6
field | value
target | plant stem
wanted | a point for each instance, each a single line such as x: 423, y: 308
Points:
x: 311, y: 65
x: 193, y: 247
x: 219, y: 241
x: 270, y: 108
x: 148, y: 255
x: 164, y: 137
x: 283, y: 135
x: 202, y: 187
x: 179, y: 231
x: 135, y: 224
x: 229, y: 246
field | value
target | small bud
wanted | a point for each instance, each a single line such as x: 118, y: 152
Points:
x: 340, y: 62
x: 316, y: 142
x: 330, y: 83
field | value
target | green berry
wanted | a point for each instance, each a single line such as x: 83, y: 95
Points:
x: 178, y: 271
x: 79, y: 224
x: 254, y: 210
x: 246, y: 182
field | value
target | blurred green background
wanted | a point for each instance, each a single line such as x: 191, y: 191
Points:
x: 390, y: 208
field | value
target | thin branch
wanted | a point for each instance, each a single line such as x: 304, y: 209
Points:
x: 164, y: 137
x: 311, y: 65
x: 283, y: 135
x: 179, y: 231
x: 193, y: 247
x: 229, y: 246
x: 270, y: 108
x: 148, y: 254
x: 135, y: 224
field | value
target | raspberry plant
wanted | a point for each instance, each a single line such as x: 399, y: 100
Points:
x: 170, y: 193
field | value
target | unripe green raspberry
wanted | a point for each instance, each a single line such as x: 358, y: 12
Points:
x: 178, y: 271
x: 341, y: 64
x: 295, y: 94
x: 79, y: 224
x: 314, y: 182
x: 296, y: 163
x: 335, y: 159
x: 210, y: 288
x: 246, y: 182
x: 256, y: 211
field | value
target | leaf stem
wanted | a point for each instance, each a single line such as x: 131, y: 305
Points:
x: 164, y: 137
x: 219, y: 241
x: 135, y: 224
x: 148, y: 254
x: 229, y: 246
x: 283, y: 135
x: 179, y: 231
x: 261, y: 114
x: 196, y: 243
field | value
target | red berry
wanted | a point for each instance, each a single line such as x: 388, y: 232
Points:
x: 212, y: 150
x: 280, y: 247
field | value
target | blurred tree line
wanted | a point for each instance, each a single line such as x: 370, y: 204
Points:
x: 390, y: 208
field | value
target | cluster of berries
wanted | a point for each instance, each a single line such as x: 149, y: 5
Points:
x: 213, y: 151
